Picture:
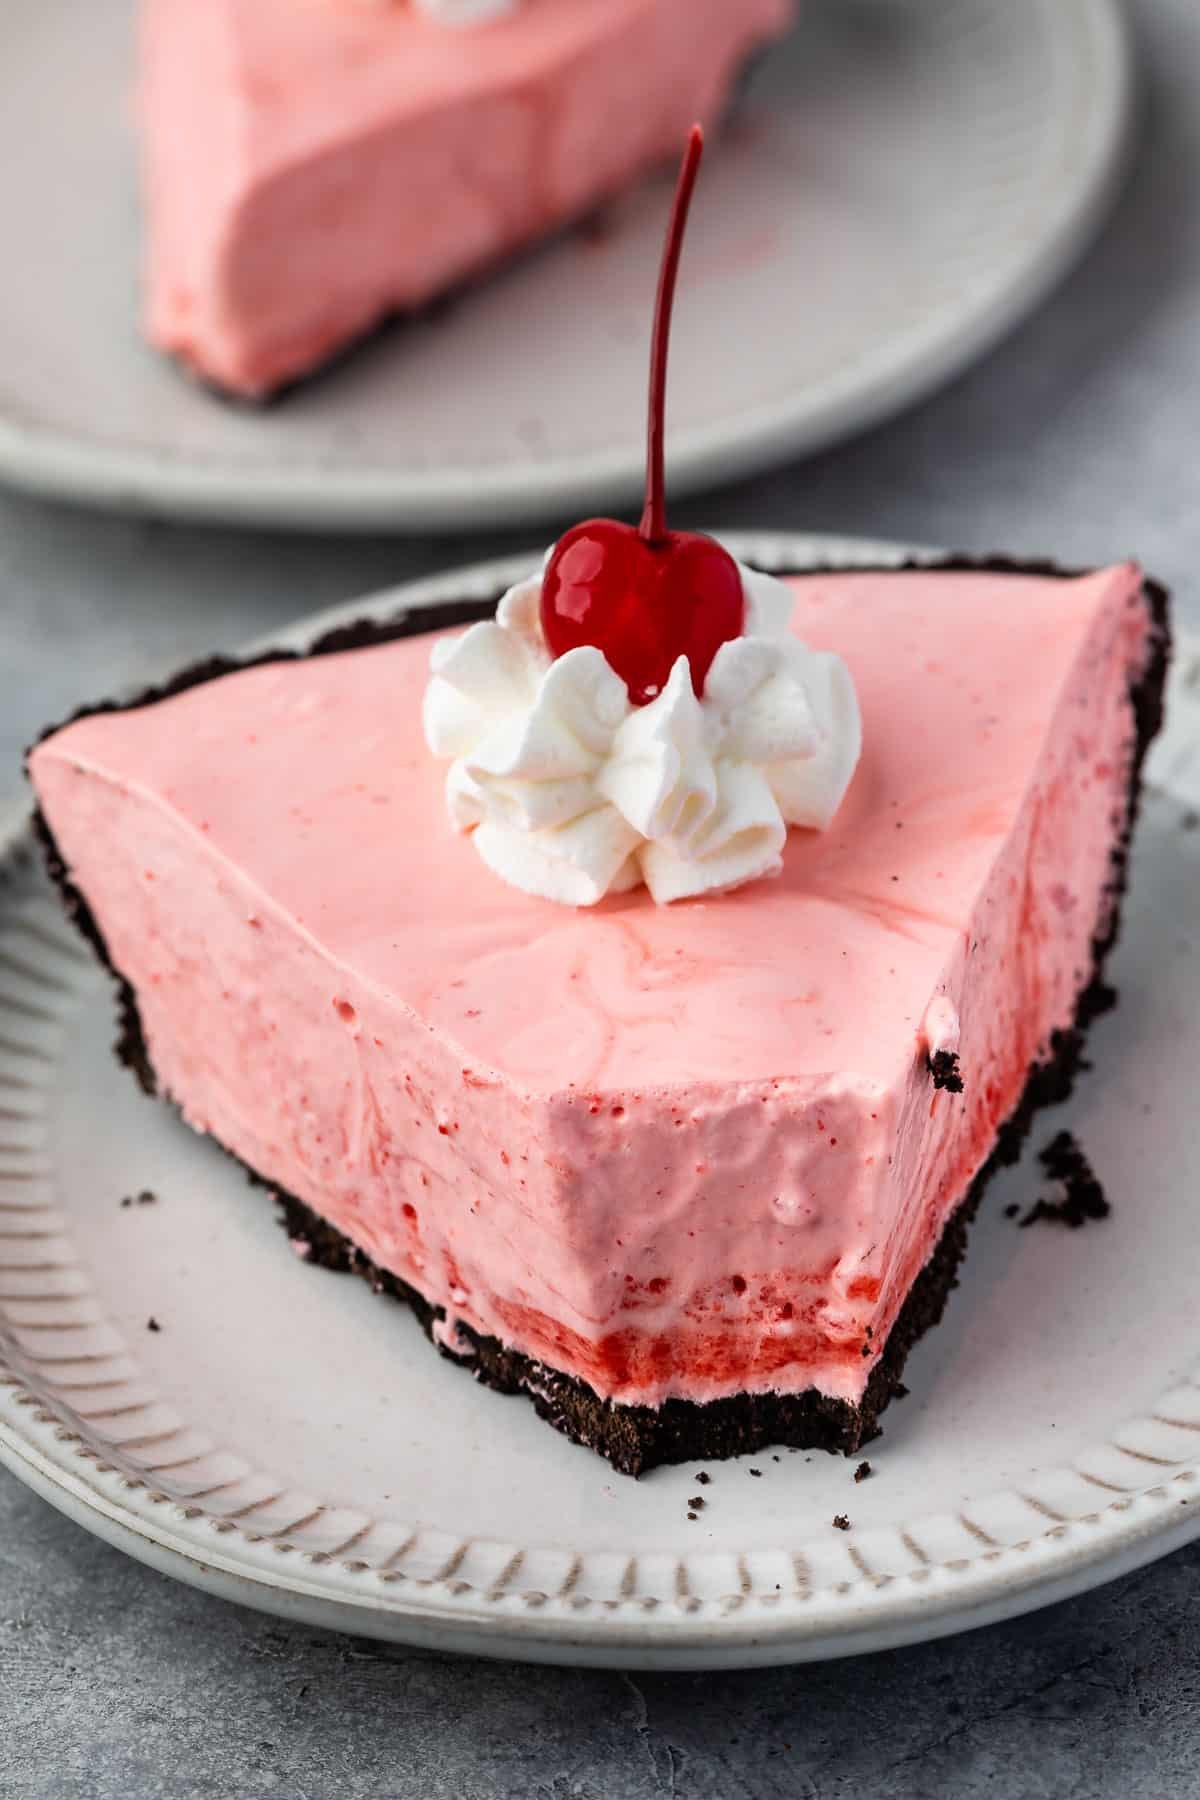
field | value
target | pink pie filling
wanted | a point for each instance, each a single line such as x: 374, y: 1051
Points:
x: 684, y: 1151
x: 314, y: 165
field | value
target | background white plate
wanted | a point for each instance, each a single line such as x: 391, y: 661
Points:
x: 291, y: 1441
x: 908, y: 180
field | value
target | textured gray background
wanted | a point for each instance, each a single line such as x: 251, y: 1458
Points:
x: 1080, y: 436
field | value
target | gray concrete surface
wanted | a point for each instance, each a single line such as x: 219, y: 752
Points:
x: 1079, y: 436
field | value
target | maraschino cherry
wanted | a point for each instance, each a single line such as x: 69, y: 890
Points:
x: 648, y: 596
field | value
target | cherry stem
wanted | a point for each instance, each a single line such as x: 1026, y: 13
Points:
x: 653, y: 527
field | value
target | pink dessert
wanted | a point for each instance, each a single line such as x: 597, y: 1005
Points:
x: 694, y: 1177
x: 312, y: 166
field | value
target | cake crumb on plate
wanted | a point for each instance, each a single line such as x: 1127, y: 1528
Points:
x: 1083, y: 1197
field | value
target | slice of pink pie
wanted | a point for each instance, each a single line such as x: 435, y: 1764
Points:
x: 693, y: 1177
x: 312, y: 166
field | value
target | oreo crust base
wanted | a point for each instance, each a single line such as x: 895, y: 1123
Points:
x: 636, y: 1438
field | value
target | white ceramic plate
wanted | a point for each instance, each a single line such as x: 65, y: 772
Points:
x: 289, y: 1440
x: 909, y: 179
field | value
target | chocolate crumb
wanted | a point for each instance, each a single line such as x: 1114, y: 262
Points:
x: 943, y: 1066
x: 128, y: 1200
x: 153, y: 1325
x: 693, y: 1517
x: 840, y: 1522
x: 1102, y: 997
x: 757, y: 1473
x: 1010, y: 1212
x: 1190, y: 819
x: 146, y: 1198
x: 1082, y: 1195
x: 703, y: 1479
x: 863, y: 1472
x: 697, y: 1502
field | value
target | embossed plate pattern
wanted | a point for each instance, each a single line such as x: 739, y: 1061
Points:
x: 286, y: 1439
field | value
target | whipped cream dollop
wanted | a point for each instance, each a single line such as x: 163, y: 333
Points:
x: 464, y: 12
x: 457, y: 12
x: 571, y: 792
